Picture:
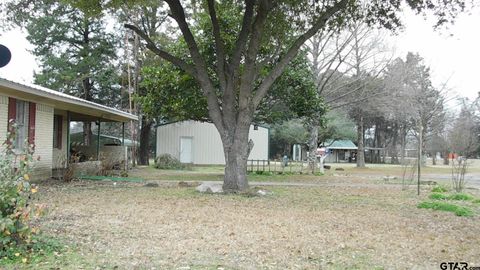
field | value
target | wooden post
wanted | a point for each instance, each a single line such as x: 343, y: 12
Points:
x: 123, y: 133
x: 68, y: 137
x: 98, y: 139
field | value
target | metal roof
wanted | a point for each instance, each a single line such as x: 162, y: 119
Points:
x: 62, y: 101
x: 340, y: 144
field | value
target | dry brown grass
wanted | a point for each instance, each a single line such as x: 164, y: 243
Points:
x: 332, y: 227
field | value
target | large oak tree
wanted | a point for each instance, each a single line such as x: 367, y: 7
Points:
x: 236, y: 85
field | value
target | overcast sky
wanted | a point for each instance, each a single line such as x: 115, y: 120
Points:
x: 453, y: 55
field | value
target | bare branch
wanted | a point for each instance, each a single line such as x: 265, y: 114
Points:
x: 162, y: 53
x: 218, y: 44
x: 292, y: 51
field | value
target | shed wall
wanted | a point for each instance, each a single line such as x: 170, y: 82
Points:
x: 207, y: 146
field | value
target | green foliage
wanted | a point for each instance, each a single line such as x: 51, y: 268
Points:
x: 171, y: 94
x: 438, y: 196
x: 39, y: 248
x: 439, y: 189
x: 15, y: 194
x: 441, y: 206
x: 284, y: 134
x: 455, y: 197
x: 167, y: 162
x: 263, y: 173
x: 75, y: 51
x: 337, y: 127
x: 293, y: 95
x: 476, y: 201
x: 460, y: 197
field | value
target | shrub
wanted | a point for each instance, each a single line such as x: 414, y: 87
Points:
x: 167, y: 162
x: 438, y: 196
x: 456, y: 196
x: 15, y: 194
x: 460, y: 197
x: 439, y: 189
x: 441, y: 206
x: 264, y: 173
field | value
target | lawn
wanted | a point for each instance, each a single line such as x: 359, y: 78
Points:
x: 128, y: 226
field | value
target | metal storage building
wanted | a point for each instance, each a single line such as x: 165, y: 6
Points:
x: 199, y: 142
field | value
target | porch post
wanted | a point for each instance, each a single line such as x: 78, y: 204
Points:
x: 155, y: 142
x: 68, y: 138
x: 98, y: 139
x: 123, y: 133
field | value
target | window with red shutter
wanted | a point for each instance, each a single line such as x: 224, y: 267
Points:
x: 32, y: 114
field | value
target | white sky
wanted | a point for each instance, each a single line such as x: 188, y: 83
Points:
x: 453, y: 55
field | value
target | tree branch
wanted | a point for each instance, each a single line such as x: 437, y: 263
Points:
x: 163, y: 54
x: 292, y: 51
x: 218, y: 44
x: 178, y: 14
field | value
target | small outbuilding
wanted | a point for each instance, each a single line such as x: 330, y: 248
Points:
x: 340, y: 151
x: 199, y: 142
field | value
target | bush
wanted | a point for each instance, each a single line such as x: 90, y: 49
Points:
x: 15, y: 194
x: 167, y: 162
x: 460, y: 197
x: 439, y: 189
x: 441, y: 206
x: 264, y: 173
x: 438, y: 196
x: 456, y: 196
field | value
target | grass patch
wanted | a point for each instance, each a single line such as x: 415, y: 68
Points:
x: 476, y: 201
x: 438, y: 196
x: 441, y: 206
x: 454, y: 197
x: 460, y: 197
x: 439, y: 189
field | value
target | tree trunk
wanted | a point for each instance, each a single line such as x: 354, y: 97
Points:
x: 423, y: 129
x: 361, y: 149
x: 235, y: 145
x: 87, y: 133
x: 394, y: 154
x: 403, y: 142
x: 143, y: 151
x: 446, y: 161
x: 312, y: 148
x: 434, y: 158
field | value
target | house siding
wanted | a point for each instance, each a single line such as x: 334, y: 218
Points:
x: 207, y: 146
x: 43, y: 141
x: 60, y: 155
x: 43, y: 137
x: 3, y: 119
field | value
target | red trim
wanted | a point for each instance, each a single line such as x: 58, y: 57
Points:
x: 32, y: 111
x: 12, y: 110
x: 59, y: 131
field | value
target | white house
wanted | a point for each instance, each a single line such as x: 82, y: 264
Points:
x: 43, y: 117
x: 199, y: 142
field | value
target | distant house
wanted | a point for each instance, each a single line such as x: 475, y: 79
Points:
x: 199, y: 142
x: 43, y: 117
x: 340, y: 151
